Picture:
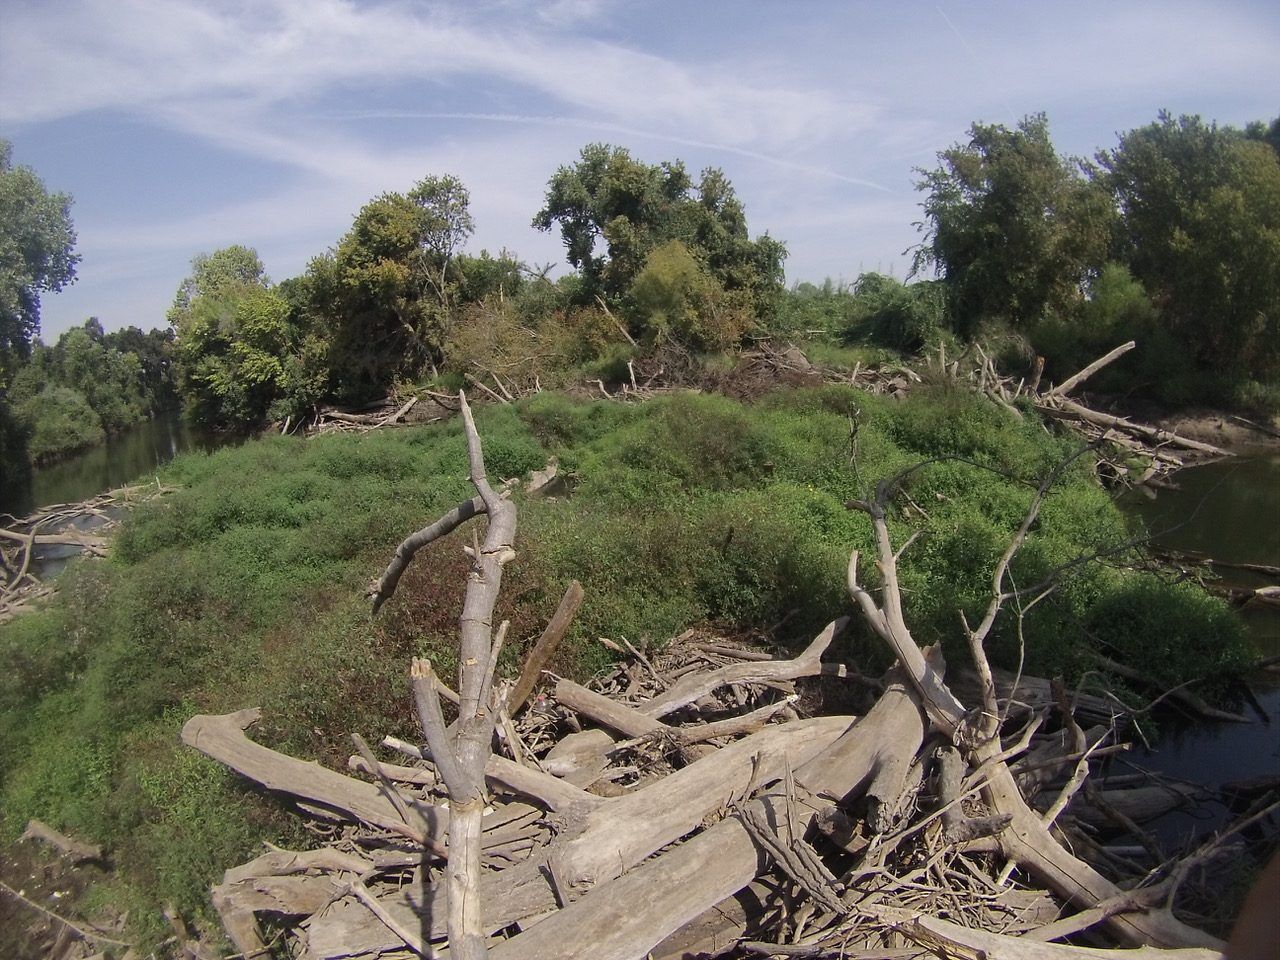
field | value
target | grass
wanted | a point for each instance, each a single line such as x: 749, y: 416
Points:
x: 246, y: 588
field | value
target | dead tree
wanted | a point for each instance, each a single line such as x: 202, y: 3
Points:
x: 1027, y: 841
x: 462, y: 751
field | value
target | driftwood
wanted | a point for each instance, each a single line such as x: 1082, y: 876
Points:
x: 76, y: 850
x: 715, y: 810
x: 81, y: 526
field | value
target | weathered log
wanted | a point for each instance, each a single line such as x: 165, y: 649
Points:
x: 966, y: 943
x: 223, y: 739
x: 1061, y: 407
x: 676, y: 887
x: 546, y: 646
x: 1069, y: 384
x: 603, y: 839
x: 76, y: 850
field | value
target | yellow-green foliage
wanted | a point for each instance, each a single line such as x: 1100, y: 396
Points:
x: 676, y: 296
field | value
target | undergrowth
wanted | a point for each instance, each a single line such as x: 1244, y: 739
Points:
x: 246, y: 588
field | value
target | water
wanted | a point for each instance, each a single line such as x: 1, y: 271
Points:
x: 1229, y: 510
x: 124, y: 458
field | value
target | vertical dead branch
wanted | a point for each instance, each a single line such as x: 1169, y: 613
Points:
x: 462, y: 752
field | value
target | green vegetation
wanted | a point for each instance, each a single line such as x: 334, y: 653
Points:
x: 1172, y: 238
x: 245, y: 587
x: 88, y: 385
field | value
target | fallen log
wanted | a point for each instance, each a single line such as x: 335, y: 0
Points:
x: 223, y: 738
x: 1060, y: 408
x: 600, y: 843
x: 76, y: 850
x: 679, y: 885
x: 1069, y: 384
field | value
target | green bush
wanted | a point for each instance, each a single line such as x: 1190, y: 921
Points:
x: 58, y: 421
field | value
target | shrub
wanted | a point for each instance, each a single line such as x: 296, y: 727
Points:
x: 59, y: 421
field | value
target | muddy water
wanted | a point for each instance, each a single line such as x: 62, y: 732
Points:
x: 1229, y: 510
x: 122, y: 459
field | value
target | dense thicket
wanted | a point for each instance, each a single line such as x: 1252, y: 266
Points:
x: 1171, y: 238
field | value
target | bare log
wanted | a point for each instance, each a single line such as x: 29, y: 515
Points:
x: 1069, y: 384
x: 1153, y: 434
x: 76, y: 850
x: 679, y: 885
x: 223, y: 739
x: 606, y: 837
x: 953, y: 940
x: 546, y: 646
x: 1026, y: 841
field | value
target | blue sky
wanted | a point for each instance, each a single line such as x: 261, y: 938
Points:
x: 182, y: 126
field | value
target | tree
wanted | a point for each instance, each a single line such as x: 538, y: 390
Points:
x: 387, y: 291
x: 614, y: 211
x: 1013, y: 230
x: 245, y: 353
x: 214, y: 274
x: 36, y: 242
x: 1200, y: 228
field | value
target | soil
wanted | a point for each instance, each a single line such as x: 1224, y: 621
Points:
x: 49, y: 880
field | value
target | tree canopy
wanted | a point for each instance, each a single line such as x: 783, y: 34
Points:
x: 614, y: 211
x: 1200, y: 228
x: 1013, y: 229
x: 36, y: 244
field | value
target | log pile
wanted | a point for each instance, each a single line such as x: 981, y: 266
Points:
x: 699, y: 802
x: 69, y: 528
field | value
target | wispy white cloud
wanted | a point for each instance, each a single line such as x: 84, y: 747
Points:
x: 817, y: 111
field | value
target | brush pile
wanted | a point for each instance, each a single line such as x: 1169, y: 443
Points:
x: 708, y: 800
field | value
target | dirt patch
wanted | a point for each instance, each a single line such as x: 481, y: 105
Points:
x: 40, y: 880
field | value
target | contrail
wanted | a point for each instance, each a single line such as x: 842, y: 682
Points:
x: 533, y: 119
x: 977, y: 62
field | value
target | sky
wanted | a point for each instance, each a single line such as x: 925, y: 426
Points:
x: 184, y: 126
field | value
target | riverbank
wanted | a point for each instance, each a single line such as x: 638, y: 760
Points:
x: 246, y: 588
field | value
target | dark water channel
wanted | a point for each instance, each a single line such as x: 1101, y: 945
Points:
x: 124, y: 458
x: 1229, y: 510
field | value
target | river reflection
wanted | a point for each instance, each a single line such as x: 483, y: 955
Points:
x: 124, y: 458
x: 1229, y: 510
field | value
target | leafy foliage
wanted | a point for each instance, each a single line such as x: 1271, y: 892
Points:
x: 36, y: 240
x: 244, y: 352
x: 1201, y: 230
x: 1013, y: 229
x: 614, y: 211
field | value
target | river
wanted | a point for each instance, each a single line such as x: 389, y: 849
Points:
x: 1229, y: 510
x: 122, y: 459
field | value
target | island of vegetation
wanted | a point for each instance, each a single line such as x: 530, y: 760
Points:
x: 728, y: 501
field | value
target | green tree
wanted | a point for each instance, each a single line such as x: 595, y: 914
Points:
x: 387, y: 291
x: 676, y: 296
x: 245, y: 353
x: 36, y: 242
x: 895, y: 314
x: 614, y: 211
x: 1200, y: 228
x: 1013, y: 230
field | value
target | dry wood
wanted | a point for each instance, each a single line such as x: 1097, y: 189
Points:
x: 606, y: 837
x: 959, y: 942
x: 1026, y: 841
x: 76, y: 850
x: 1061, y: 407
x: 545, y: 648
x: 223, y: 738
x: 694, y: 876
x: 1069, y: 384
x: 381, y: 589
